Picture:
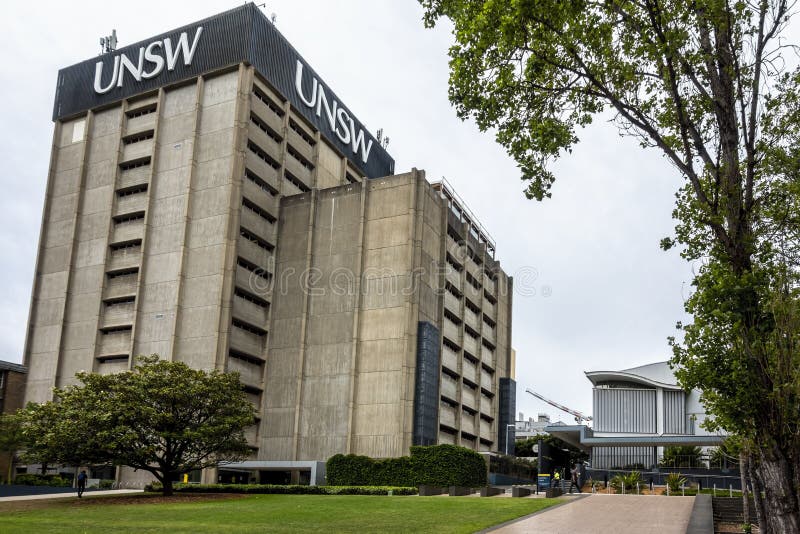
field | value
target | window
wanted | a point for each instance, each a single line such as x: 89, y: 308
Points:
x: 134, y: 164
x: 296, y: 128
x: 253, y: 177
x: 142, y: 111
x: 78, y: 129
x: 254, y: 269
x: 292, y: 179
x: 251, y: 298
x: 135, y: 190
x: 300, y: 159
x: 241, y: 325
x: 269, y: 160
x: 138, y: 137
x: 258, y: 211
x: 272, y: 134
x: 259, y: 94
x: 130, y: 218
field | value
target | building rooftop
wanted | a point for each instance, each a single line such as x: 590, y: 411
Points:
x: 15, y: 367
x: 657, y: 374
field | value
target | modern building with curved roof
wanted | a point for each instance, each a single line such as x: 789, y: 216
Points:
x: 637, y: 412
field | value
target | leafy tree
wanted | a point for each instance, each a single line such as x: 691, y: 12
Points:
x: 162, y: 417
x: 524, y: 448
x: 704, y: 82
x: 10, y: 440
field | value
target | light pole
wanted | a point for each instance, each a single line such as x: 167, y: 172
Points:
x: 509, y: 427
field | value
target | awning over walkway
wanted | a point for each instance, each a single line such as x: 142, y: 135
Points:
x: 583, y: 437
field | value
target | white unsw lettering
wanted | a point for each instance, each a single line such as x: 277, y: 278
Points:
x: 339, y: 119
x: 148, y: 55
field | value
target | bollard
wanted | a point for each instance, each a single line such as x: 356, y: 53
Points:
x: 623, y: 488
x: 715, y: 490
x: 667, y: 490
x: 683, y: 490
x: 730, y: 490
x: 638, y: 490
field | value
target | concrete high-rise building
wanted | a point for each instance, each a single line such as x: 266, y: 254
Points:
x: 210, y: 199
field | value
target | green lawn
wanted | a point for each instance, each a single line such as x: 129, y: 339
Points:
x: 268, y: 513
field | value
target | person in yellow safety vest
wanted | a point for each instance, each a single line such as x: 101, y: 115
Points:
x: 556, y: 480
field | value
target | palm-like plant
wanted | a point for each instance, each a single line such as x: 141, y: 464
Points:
x: 629, y: 482
x: 675, y: 482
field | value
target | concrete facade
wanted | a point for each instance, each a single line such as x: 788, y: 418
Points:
x: 208, y: 222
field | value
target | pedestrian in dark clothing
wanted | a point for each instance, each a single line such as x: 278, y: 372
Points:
x: 573, y: 479
x: 82, y: 477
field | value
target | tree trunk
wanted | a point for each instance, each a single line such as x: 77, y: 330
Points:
x: 780, y: 494
x: 743, y: 461
x: 166, y: 484
x: 758, y: 495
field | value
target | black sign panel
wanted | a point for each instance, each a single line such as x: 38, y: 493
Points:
x: 240, y: 35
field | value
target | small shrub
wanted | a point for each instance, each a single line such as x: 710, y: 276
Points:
x: 154, y: 486
x: 675, y: 481
x: 631, y: 482
x: 595, y: 484
x: 106, y: 483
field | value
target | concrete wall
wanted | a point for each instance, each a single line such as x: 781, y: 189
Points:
x: 342, y: 351
x: 12, y: 394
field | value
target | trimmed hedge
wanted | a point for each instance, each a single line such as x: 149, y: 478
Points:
x: 285, y: 489
x: 54, y: 481
x: 436, y: 465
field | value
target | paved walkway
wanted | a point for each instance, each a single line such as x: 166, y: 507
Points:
x: 609, y: 514
x: 62, y: 495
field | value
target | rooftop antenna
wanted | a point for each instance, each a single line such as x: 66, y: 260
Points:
x: 272, y: 17
x: 108, y: 43
x: 382, y: 140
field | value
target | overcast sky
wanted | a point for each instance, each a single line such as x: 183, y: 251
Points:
x: 598, y: 293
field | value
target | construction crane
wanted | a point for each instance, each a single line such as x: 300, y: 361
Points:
x: 579, y: 417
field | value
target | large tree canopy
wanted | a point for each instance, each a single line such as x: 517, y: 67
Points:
x: 161, y: 417
x: 707, y: 83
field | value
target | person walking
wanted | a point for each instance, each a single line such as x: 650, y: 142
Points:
x: 82, y: 477
x: 573, y: 479
x: 556, y: 480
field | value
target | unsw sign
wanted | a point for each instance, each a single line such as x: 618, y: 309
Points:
x: 240, y: 35
x: 150, y: 61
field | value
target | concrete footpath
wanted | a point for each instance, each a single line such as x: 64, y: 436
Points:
x: 63, y: 495
x: 604, y: 514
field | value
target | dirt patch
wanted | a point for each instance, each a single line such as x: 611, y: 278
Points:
x: 126, y: 500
